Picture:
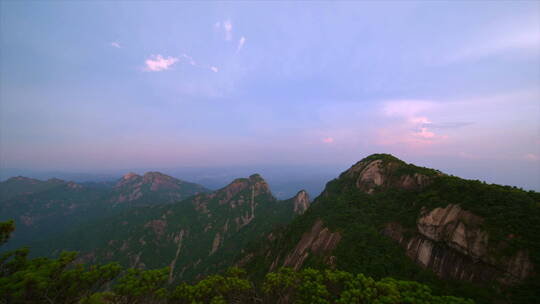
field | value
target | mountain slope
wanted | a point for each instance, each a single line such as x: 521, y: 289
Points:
x: 199, y: 235
x: 152, y: 188
x: 383, y: 217
x: 43, y: 209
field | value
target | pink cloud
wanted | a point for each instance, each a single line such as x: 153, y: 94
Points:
x: 424, y: 133
x: 409, y: 125
x: 419, y: 120
x: 158, y: 63
x: 328, y: 140
x: 116, y: 45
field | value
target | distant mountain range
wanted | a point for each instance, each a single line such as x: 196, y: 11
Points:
x: 196, y: 236
x: 284, y: 180
x: 42, y: 209
x: 381, y: 217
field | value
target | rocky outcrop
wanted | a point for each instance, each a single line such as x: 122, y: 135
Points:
x: 215, y: 243
x: 301, y: 202
x: 451, y: 242
x: 319, y: 240
x: 373, y: 174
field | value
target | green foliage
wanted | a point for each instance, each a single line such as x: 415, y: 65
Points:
x: 50, y: 208
x: 6, y: 228
x: 44, y: 280
x: 332, y: 286
x: 232, y: 287
x: 140, y: 286
x: 61, y: 280
x: 131, y: 232
x: 510, y: 215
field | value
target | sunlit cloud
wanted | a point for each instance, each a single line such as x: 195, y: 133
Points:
x: 240, y: 44
x: 116, y: 45
x: 409, y: 124
x: 158, y: 63
x: 328, y: 140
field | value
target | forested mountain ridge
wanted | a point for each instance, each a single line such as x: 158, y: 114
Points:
x: 381, y: 218
x: 199, y: 235
x: 43, y: 209
x: 63, y: 280
x: 152, y: 188
x: 384, y: 217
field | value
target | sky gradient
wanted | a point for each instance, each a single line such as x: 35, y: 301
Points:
x: 90, y: 86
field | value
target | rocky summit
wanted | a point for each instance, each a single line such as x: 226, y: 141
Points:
x: 384, y: 217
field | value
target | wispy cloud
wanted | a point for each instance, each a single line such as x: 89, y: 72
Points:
x: 496, y: 42
x: 189, y: 60
x: 116, y: 45
x: 241, y: 43
x: 227, y: 28
x: 158, y: 63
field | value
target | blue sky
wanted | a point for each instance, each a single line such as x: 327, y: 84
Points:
x: 92, y: 86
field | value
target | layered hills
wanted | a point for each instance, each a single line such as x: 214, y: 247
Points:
x: 196, y: 236
x: 382, y: 217
x: 42, y: 209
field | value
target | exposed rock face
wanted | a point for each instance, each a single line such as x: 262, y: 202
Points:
x: 317, y: 241
x: 215, y: 243
x: 301, y: 202
x: 370, y: 176
x: 260, y: 186
x: 452, y: 243
x: 378, y: 174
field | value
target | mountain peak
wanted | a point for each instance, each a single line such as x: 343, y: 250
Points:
x: 379, y: 171
x: 256, y: 177
x: 129, y: 175
x: 254, y: 181
x: 155, y: 174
